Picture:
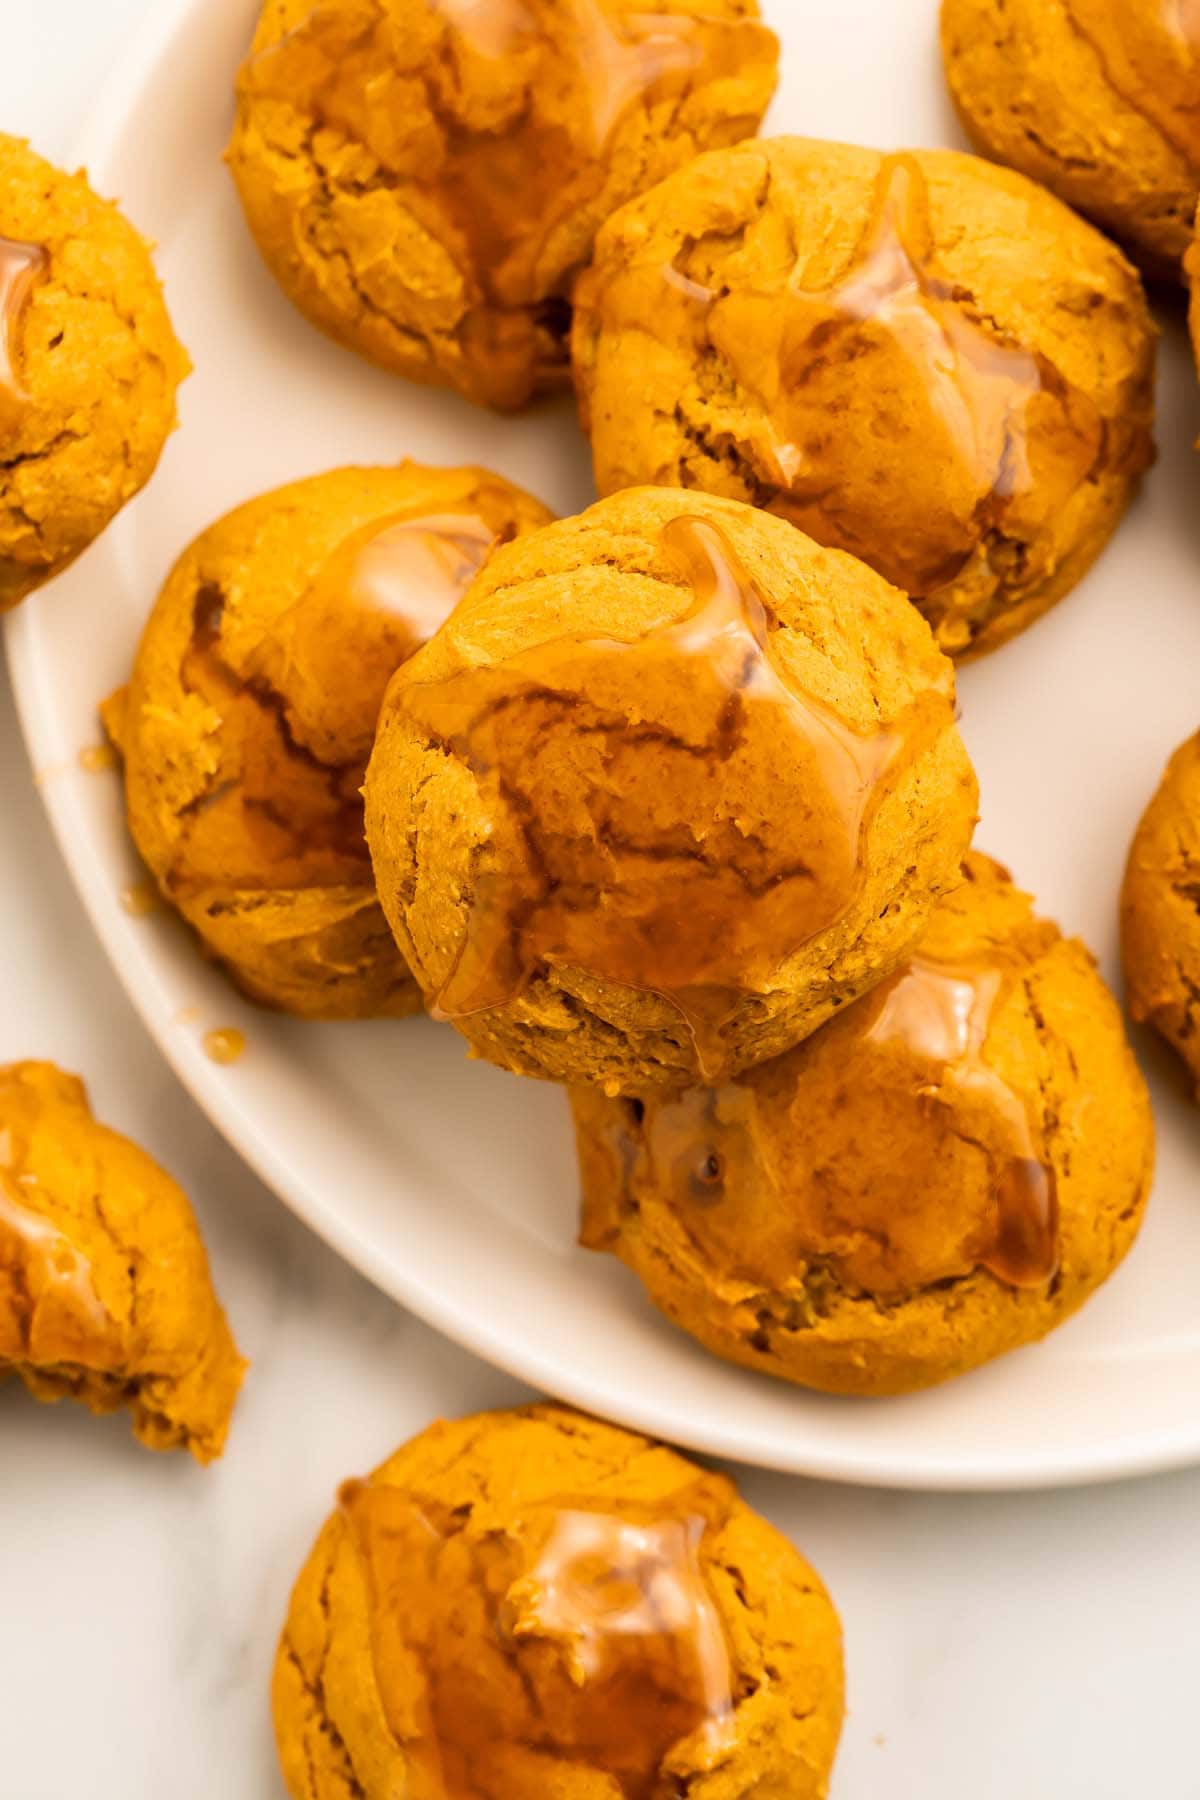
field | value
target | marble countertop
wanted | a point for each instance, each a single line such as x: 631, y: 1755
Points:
x: 1035, y: 1645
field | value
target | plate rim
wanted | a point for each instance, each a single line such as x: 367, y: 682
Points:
x: 1158, y: 1450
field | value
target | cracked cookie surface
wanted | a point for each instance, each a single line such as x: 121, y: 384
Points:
x: 424, y: 177
x: 672, y: 785
x: 943, y: 1173
x: 919, y: 358
x: 1160, y: 910
x: 532, y: 1605
x: 89, y: 366
x: 251, y: 711
x: 1096, y: 99
x: 105, y: 1292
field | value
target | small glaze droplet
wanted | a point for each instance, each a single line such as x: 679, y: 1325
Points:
x: 141, y: 898
x: 225, y: 1046
x: 97, y: 759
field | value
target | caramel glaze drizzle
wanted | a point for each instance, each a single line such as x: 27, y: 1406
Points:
x: 687, y: 899
x: 983, y: 395
x: 20, y: 266
x: 1149, y: 51
x: 922, y: 1033
x: 609, y: 1645
x: 299, y: 817
x: 941, y: 1013
x: 891, y: 366
x: 503, y: 182
x: 275, y: 806
x: 46, y: 1282
x: 1182, y: 19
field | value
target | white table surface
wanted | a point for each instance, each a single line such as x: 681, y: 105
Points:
x: 1027, y: 1647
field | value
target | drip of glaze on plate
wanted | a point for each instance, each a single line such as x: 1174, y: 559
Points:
x: 20, y: 266
x: 585, y: 1637
x: 225, y: 1045
x: 708, y: 909
x: 297, y: 716
x: 141, y: 898
x: 98, y: 759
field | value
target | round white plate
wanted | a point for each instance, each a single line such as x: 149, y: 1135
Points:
x: 451, y: 1185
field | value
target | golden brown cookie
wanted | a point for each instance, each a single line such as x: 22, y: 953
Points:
x: 919, y: 358
x: 105, y: 1293
x: 672, y: 785
x: 423, y: 179
x: 535, y: 1606
x: 943, y: 1173
x: 1160, y: 910
x: 1095, y: 98
x: 89, y: 365
x: 250, y: 715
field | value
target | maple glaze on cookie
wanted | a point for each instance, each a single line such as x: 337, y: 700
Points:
x: 672, y: 785
x: 943, y: 1172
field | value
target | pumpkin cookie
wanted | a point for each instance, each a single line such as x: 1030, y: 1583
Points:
x: 105, y: 1294
x: 1095, y: 98
x: 672, y: 785
x: 1160, y: 909
x: 532, y: 1604
x: 919, y: 358
x: 248, y: 721
x: 89, y: 365
x: 943, y: 1173
x: 424, y: 180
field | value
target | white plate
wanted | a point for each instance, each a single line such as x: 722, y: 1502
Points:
x: 449, y: 1184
